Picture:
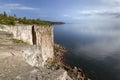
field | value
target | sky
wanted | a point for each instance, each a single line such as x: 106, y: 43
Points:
x: 64, y: 10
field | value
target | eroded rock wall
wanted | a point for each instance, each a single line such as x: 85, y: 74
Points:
x: 21, y: 32
x: 42, y: 36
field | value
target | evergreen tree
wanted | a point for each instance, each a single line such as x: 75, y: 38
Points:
x: 13, y: 20
x: 15, y: 15
x: 5, y: 14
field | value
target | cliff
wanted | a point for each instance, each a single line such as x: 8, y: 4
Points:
x: 35, y: 60
x: 34, y: 35
x: 32, y: 61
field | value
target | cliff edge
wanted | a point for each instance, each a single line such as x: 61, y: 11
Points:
x: 28, y: 61
x: 27, y: 53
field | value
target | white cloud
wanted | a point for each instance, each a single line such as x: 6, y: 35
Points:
x: 98, y: 13
x: 110, y: 9
x: 103, y: 11
x: 14, y: 6
x: 66, y: 15
x: 111, y: 2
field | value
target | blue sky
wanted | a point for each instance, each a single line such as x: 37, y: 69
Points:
x: 64, y: 10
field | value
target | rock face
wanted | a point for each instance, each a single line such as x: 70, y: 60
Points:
x: 38, y: 55
x: 13, y: 66
x: 33, y: 56
x: 44, y: 39
x: 42, y: 36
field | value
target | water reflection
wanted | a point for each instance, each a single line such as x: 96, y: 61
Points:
x: 95, y: 48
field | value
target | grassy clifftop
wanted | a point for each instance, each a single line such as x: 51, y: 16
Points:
x: 13, y: 20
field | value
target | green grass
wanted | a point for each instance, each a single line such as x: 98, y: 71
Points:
x: 19, y: 41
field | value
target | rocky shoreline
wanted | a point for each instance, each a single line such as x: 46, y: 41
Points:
x: 36, y: 60
x: 74, y: 72
x: 16, y: 62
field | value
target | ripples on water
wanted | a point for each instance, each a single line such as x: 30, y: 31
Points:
x: 94, y: 48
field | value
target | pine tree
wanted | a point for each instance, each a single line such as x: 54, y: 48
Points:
x: 15, y: 15
x: 5, y: 14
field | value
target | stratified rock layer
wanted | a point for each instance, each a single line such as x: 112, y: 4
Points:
x: 42, y: 36
x: 13, y: 65
x: 32, y: 62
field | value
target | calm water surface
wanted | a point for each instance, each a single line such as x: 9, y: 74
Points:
x: 95, y: 49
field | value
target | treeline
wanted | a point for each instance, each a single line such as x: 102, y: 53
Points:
x: 13, y: 20
x: 55, y: 22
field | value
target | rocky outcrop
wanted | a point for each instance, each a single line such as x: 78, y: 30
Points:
x: 13, y: 66
x: 42, y: 36
x: 45, y: 65
x: 33, y: 56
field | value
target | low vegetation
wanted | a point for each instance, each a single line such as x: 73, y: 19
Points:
x: 13, y: 20
x: 19, y: 41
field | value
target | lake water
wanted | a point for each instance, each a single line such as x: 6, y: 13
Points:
x: 95, y: 49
